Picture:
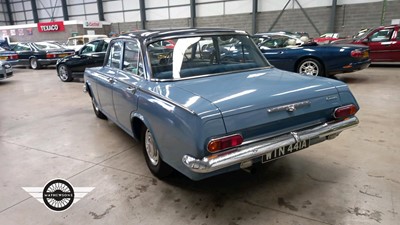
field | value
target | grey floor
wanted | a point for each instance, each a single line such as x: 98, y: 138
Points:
x: 48, y: 130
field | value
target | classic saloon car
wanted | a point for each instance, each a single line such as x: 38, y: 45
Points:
x: 90, y: 55
x: 39, y: 54
x: 204, y: 117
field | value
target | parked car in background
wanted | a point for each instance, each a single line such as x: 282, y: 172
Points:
x: 383, y: 43
x: 204, y: 117
x: 8, y: 55
x: 285, y: 53
x: 6, y: 70
x: 90, y: 55
x: 39, y: 54
x: 327, y: 38
x: 77, y: 42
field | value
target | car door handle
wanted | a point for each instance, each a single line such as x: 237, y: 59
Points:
x: 95, y: 56
x: 281, y: 52
x: 131, y: 89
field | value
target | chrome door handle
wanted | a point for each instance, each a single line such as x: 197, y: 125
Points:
x: 110, y: 80
x: 131, y: 90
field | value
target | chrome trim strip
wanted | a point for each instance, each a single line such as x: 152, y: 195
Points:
x: 289, y: 107
x: 246, y: 152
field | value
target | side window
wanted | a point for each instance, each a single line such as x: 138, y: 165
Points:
x: 132, y: 58
x: 90, y: 47
x: 22, y: 47
x: 104, y: 47
x: 381, y: 35
x: 114, y: 57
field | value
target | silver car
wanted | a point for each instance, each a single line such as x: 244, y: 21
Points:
x: 6, y: 70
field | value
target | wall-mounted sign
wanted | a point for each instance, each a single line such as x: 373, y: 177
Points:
x: 20, y: 32
x: 5, y: 33
x: 12, y: 32
x: 51, y: 26
x: 29, y: 31
x: 92, y: 24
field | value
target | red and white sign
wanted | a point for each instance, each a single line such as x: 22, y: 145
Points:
x: 51, y: 26
x: 92, y: 24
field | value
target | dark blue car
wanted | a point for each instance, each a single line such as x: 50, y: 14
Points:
x: 293, y: 54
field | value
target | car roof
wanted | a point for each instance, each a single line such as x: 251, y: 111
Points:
x: 150, y: 35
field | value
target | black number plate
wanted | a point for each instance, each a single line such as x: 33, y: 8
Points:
x: 286, y: 150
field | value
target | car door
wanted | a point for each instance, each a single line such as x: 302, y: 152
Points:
x: 126, y: 84
x: 277, y: 52
x: 85, y: 58
x: 99, y: 54
x: 381, y: 45
x: 24, y: 52
x: 106, y: 79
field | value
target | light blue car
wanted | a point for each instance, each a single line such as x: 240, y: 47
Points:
x: 205, y: 116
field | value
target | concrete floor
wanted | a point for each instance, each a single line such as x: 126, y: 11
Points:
x: 48, y: 130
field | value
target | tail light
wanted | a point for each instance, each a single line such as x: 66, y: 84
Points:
x: 50, y: 56
x: 222, y: 143
x: 345, y: 111
x: 356, y: 54
x: 14, y: 56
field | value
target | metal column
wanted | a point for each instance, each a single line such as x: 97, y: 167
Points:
x: 9, y: 13
x: 192, y: 13
x: 308, y: 18
x: 254, y: 17
x: 34, y: 11
x: 100, y: 10
x: 332, y: 21
x: 279, y: 16
x: 142, y: 13
x: 65, y: 9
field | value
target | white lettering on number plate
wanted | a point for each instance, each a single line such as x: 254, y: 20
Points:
x: 285, y: 150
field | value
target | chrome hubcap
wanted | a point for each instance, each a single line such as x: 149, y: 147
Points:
x: 309, y: 68
x: 151, y: 149
x: 62, y: 71
x: 33, y: 63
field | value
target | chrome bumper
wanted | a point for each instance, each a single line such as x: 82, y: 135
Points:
x: 254, y: 150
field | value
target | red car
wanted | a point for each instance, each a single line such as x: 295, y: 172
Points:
x: 327, y: 38
x: 383, y: 43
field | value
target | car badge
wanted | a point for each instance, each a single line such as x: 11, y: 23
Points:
x: 289, y: 107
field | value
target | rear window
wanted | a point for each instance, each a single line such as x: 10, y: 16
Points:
x: 198, y: 56
x: 46, y: 45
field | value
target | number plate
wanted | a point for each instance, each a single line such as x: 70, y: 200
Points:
x: 3, y: 57
x: 366, y: 54
x: 62, y: 55
x: 286, y: 150
x: 9, y: 70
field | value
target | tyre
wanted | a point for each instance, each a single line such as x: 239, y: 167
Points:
x: 97, y: 111
x: 310, y: 67
x: 152, y: 155
x: 34, y: 64
x: 64, y: 73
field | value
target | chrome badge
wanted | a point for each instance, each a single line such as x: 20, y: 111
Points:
x: 289, y: 107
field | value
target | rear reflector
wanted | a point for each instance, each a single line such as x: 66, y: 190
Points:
x: 356, y: 54
x: 13, y: 56
x: 225, y: 142
x: 50, y: 56
x: 345, y: 111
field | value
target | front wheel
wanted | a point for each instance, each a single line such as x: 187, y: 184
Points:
x: 97, y: 111
x: 64, y: 73
x: 310, y: 67
x: 34, y: 64
x: 152, y: 155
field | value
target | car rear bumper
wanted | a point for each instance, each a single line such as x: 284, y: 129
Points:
x: 351, y: 67
x: 248, y: 152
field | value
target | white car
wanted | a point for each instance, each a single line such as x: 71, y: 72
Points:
x: 78, y: 42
